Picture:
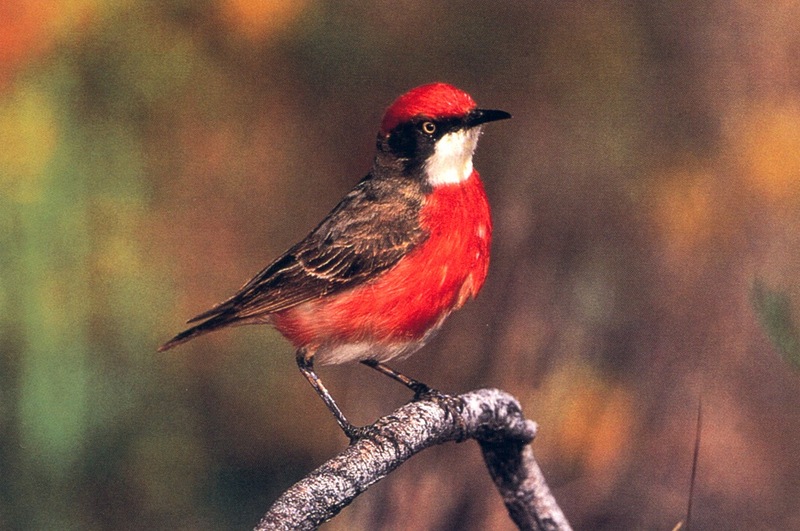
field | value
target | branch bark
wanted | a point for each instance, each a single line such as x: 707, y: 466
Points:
x: 490, y: 416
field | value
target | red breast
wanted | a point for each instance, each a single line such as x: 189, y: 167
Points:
x: 408, y: 301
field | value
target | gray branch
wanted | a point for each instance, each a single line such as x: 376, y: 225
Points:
x: 490, y: 416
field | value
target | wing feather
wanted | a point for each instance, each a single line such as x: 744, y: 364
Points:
x: 373, y: 227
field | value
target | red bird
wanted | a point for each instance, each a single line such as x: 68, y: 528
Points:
x: 406, y: 247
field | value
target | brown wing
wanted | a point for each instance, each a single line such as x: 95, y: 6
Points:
x: 369, y: 231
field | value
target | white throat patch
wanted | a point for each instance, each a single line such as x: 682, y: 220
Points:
x: 451, y: 162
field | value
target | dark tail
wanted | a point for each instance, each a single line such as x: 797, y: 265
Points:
x: 218, y: 321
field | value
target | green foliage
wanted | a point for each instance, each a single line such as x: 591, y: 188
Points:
x: 774, y: 310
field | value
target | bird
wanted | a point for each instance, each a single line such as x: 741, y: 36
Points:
x: 407, y: 246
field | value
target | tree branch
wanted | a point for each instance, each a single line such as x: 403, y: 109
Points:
x: 490, y: 416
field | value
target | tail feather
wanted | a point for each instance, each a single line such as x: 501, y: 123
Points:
x: 220, y: 309
x: 218, y: 321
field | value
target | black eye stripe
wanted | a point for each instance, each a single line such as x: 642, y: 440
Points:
x: 409, y: 140
x: 447, y: 125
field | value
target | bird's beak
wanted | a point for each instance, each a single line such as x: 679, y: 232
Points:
x: 482, y: 116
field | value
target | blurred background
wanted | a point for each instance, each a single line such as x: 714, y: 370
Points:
x: 156, y: 154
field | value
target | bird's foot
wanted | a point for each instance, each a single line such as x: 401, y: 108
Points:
x: 422, y: 391
x: 452, y: 406
x: 356, y: 433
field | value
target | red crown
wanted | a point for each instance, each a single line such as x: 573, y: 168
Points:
x: 436, y: 100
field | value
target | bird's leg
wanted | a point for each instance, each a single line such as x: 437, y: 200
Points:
x: 420, y: 389
x: 453, y: 406
x: 305, y: 361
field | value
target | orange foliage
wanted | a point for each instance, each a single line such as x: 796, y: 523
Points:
x: 590, y: 421
x: 29, y: 29
x: 683, y: 212
x: 769, y: 141
x: 258, y: 20
x: 23, y: 33
x: 598, y: 421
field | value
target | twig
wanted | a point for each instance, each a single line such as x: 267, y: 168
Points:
x: 695, y: 461
x: 490, y: 416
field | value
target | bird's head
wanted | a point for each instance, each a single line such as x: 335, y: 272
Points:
x: 433, y: 130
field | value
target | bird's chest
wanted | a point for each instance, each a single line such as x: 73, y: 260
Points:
x: 455, y: 258
x: 407, y: 303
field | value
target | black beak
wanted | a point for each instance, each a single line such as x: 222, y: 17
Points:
x: 482, y: 116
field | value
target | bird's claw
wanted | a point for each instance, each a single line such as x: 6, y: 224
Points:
x: 452, y: 406
x: 423, y: 392
x: 356, y: 433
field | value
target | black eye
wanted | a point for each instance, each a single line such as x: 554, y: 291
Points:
x: 428, y: 128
